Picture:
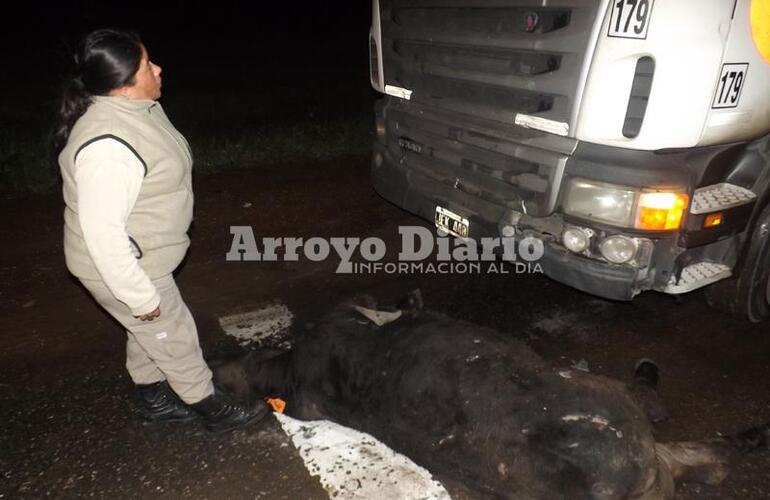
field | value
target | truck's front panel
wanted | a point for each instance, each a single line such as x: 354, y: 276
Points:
x: 486, y: 108
x: 471, y: 68
x: 488, y: 58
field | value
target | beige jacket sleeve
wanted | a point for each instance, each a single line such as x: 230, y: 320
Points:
x: 108, y: 178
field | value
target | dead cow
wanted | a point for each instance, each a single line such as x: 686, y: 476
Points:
x: 467, y: 402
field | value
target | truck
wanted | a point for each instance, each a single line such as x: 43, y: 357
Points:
x: 630, y: 136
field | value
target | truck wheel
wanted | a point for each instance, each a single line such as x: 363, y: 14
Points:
x: 748, y: 294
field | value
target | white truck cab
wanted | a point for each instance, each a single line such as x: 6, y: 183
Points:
x: 631, y: 136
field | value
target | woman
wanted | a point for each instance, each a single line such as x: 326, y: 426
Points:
x: 128, y: 194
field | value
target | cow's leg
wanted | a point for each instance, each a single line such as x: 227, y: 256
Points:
x: 700, y: 462
x: 644, y: 391
x: 709, y: 461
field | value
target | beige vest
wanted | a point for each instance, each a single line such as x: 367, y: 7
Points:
x: 158, y: 223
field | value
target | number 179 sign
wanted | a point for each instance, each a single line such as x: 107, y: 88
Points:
x: 731, y: 81
x: 630, y: 18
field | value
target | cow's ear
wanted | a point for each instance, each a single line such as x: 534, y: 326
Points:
x: 411, y: 302
x: 230, y: 377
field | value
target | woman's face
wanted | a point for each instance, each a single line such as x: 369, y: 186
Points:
x: 147, y: 81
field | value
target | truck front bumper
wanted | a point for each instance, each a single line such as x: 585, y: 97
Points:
x: 421, y: 194
x: 499, y: 177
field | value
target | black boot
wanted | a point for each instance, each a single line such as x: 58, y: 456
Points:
x: 219, y: 413
x: 161, y: 404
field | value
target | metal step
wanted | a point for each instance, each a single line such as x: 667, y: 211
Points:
x: 719, y: 197
x: 696, y: 276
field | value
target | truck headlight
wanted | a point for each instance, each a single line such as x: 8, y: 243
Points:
x: 619, y: 249
x: 576, y: 239
x: 624, y: 206
x: 600, y: 202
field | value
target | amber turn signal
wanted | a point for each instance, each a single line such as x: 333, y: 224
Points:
x: 713, y: 220
x: 659, y: 211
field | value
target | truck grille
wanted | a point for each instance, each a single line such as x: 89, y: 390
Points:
x: 472, y: 66
x: 488, y: 58
x: 513, y: 168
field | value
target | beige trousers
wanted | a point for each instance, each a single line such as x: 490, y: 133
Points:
x: 165, y: 348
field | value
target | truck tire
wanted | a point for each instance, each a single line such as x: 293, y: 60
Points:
x: 748, y: 294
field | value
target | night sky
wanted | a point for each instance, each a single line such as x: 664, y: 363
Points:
x: 211, y: 40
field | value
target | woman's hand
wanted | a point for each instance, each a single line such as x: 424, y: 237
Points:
x: 150, y: 315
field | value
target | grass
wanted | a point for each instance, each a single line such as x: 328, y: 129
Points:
x: 24, y: 164
x: 242, y: 124
x: 311, y: 140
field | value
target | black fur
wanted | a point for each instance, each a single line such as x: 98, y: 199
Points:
x: 471, y: 404
x: 463, y: 401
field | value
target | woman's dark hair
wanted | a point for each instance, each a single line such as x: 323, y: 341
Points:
x: 105, y: 59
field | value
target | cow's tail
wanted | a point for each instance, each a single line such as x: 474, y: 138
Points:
x: 756, y: 438
x: 708, y: 461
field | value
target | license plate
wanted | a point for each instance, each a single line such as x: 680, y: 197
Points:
x: 410, y: 145
x: 451, y: 222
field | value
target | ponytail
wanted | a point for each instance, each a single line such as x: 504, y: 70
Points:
x: 106, y: 59
x: 74, y: 102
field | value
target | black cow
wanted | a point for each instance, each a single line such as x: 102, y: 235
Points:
x: 478, y: 406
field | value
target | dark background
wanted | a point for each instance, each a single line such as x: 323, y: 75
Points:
x: 248, y: 83
x: 198, y: 37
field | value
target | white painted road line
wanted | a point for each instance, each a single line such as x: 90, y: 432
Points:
x: 352, y: 465
x: 255, y: 327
